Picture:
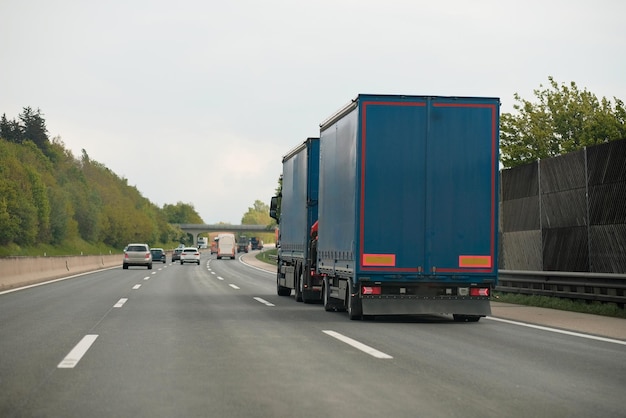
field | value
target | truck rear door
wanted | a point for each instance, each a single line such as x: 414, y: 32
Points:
x: 428, y: 192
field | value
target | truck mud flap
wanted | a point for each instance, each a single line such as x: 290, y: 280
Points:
x: 312, y: 296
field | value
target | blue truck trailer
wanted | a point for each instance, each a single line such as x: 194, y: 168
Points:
x: 298, y: 213
x: 408, y: 206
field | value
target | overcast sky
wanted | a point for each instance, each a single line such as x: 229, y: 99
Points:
x: 197, y: 101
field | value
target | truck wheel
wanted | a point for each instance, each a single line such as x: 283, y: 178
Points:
x: 353, y: 305
x: 326, y: 299
x: 281, y: 290
x: 298, y: 285
x: 466, y: 318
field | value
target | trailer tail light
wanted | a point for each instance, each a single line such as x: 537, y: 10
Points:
x: 371, y: 290
x: 479, y: 291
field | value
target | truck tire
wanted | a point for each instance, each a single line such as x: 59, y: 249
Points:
x: 353, y: 304
x: 466, y: 318
x: 298, y: 284
x: 328, y: 306
x: 281, y: 290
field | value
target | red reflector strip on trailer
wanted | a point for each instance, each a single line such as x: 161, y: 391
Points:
x: 379, y: 260
x: 371, y: 290
x: 479, y: 291
x: 474, y: 261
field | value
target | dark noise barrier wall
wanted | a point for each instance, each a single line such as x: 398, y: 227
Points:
x: 566, y: 213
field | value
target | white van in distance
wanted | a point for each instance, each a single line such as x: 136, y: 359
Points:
x: 226, y: 246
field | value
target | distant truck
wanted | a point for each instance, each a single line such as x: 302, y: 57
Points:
x: 407, y: 208
x: 256, y: 243
x: 226, y: 246
x: 243, y: 244
x: 298, y: 205
x: 203, y: 242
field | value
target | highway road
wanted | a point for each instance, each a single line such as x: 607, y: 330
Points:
x: 215, y: 340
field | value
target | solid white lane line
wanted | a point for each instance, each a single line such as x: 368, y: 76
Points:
x: 234, y: 286
x: 358, y: 345
x: 559, y: 331
x: 264, y: 302
x: 120, y: 303
x: 74, y: 356
x: 137, y: 286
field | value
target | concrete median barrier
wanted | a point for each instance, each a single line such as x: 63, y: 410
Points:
x: 24, y: 271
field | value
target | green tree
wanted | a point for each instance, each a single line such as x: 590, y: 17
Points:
x: 279, y: 193
x: 34, y: 128
x: 564, y: 119
x: 47, y: 196
x: 182, y: 213
x: 9, y: 224
x: 61, y: 211
x: 39, y: 197
x: 10, y: 130
x: 258, y: 214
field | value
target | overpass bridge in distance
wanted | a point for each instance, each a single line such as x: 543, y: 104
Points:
x: 196, y: 229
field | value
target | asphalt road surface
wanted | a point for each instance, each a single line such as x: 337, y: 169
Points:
x: 216, y: 341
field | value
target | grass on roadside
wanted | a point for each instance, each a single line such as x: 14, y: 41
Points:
x: 595, y: 307
x: 265, y: 256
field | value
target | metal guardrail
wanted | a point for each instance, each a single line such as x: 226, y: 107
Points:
x: 601, y: 287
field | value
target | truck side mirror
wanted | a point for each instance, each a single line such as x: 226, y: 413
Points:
x: 273, y: 208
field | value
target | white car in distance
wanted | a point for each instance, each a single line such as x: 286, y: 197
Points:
x: 190, y: 255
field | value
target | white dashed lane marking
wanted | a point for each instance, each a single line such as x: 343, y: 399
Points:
x: 120, y: 303
x: 71, y: 360
x: 358, y: 345
x: 263, y: 301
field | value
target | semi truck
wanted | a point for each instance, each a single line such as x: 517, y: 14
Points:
x: 256, y: 243
x: 407, y: 207
x: 298, y: 212
x: 243, y: 244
